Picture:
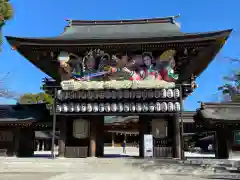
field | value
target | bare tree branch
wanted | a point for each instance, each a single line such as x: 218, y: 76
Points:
x: 5, y: 92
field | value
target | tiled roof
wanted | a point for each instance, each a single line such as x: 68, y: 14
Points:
x: 13, y: 113
x: 219, y: 112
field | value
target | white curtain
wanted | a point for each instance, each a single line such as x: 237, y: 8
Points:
x: 80, y: 128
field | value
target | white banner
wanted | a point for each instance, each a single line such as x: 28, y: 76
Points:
x: 148, y: 145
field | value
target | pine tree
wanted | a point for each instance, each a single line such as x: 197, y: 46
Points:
x: 231, y: 88
x: 6, y: 13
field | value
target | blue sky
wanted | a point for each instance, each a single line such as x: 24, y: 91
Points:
x: 44, y: 18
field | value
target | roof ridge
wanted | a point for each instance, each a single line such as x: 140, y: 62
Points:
x: 168, y: 19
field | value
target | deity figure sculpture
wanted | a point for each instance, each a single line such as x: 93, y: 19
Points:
x: 89, y: 66
x: 167, y: 73
x: 148, y: 71
x: 75, y: 64
x: 123, y: 66
x: 65, y: 69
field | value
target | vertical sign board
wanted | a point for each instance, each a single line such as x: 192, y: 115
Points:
x: 237, y: 137
x: 148, y: 145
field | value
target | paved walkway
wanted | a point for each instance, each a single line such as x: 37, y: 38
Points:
x: 108, y: 168
x: 102, y: 169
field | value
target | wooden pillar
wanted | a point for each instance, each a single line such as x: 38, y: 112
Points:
x: 99, y: 136
x: 62, y: 137
x: 222, y: 143
x: 92, y: 145
x: 176, y: 137
x: 113, y: 137
x: 16, y: 140
x: 144, y: 128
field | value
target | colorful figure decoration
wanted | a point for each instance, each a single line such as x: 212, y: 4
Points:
x: 148, y: 71
x: 92, y: 63
x: 99, y: 66
x: 124, y: 65
x: 167, y: 73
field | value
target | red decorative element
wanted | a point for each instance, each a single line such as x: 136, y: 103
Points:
x: 135, y: 77
x: 165, y: 77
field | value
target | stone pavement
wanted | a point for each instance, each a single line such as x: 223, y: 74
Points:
x: 120, y: 168
x: 104, y: 168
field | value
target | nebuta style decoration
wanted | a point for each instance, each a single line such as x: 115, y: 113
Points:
x: 98, y: 70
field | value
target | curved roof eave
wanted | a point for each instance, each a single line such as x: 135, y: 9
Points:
x: 57, y: 41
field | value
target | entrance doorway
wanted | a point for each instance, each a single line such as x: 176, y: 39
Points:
x: 121, y: 136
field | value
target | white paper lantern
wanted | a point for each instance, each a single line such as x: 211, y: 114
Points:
x: 83, y: 107
x: 114, y: 94
x: 80, y: 94
x: 145, y: 107
x: 164, y: 106
x: 108, y: 94
x: 170, y: 93
x: 107, y: 107
x: 138, y: 94
x: 60, y: 95
x: 101, y: 94
x: 157, y: 94
x: 77, y: 107
x: 71, y: 107
x: 113, y: 107
x: 150, y: 94
x: 177, y: 106
x: 170, y: 106
x: 138, y: 107
x: 164, y: 93
x: 95, y: 107
x: 176, y: 93
x: 119, y: 94
x: 89, y: 107
x: 132, y: 107
x: 126, y: 94
x: 144, y: 94
x: 120, y: 107
x: 101, y: 107
x: 157, y: 106
x: 65, y: 107
x: 84, y: 95
x: 151, y: 107
x: 90, y: 94
x: 126, y: 107
x: 58, y: 108
x: 95, y: 95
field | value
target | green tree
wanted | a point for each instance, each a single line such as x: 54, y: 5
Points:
x: 6, y: 13
x: 231, y: 88
x: 35, y: 98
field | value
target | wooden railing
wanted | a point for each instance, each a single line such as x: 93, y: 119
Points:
x: 162, y: 147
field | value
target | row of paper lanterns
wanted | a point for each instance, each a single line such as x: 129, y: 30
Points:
x: 119, y: 107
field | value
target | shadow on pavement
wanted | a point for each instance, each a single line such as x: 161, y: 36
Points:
x: 225, y: 177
